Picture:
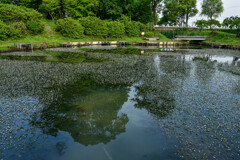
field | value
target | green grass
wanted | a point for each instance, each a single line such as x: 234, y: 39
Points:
x: 53, y: 38
x: 224, y: 38
x: 217, y: 37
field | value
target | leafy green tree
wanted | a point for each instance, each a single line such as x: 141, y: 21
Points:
x: 232, y: 22
x: 142, y: 11
x: 109, y: 9
x: 189, y: 9
x: 50, y: 7
x: 156, y: 6
x: 170, y: 13
x: 81, y: 8
x: 201, y: 24
x: 212, y: 8
x: 213, y: 23
x: 178, y: 12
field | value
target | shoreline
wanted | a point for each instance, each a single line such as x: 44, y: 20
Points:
x: 172, y: 44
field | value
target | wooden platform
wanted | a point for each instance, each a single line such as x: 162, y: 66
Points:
x: 191, y: 38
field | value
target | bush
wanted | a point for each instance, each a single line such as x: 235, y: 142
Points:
x: 143, y: 27
x: 35, y: 26
x: 132, y: 29
x: 18, y: 30
x: 11, y: 13
x: 4, y: 31
x: 94, y: 27
x: 116, y: 29
x: 238, y: 33
x: 149, y: 34
x: 69, y: 27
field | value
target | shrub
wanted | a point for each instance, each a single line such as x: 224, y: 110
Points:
x: 115, y: 29
x: 149, y: 34
x: 4, y: 31
x: 18, y: 30
x: 143, y: 27
x: 12, y: 13
x: 238, y: 33
x: 94, y: 27
x: 69, y: 27
x: 35, y: 26
x: 132, y: 29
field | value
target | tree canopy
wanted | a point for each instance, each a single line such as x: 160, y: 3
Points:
x: 212, y: 9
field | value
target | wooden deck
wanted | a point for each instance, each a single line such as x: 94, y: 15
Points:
x: 191, y: 38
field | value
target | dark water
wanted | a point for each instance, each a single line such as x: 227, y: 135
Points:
x: 182, y: 105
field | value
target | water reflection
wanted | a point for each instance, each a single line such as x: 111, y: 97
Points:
x: 88, y: 112
x: 57, y: 110
x: 157, y: 95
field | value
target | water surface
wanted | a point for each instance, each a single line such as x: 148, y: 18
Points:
x: 159, y: 105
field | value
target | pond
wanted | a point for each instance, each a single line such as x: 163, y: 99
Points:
x: 108, y: 106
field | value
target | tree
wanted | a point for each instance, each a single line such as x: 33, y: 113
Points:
x: 50, y: 7
x: 189, y: 9
x: 156, y: 5
x: 81, y: 8
x: 201, y: 24
x: 178, y: 12
x: 232, y: 22
x: 109, y: 9
x: 141, y: 11
x: 212, y: 8
x: 212, y: 23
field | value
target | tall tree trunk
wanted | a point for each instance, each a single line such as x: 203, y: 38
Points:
x: 187, y: 18
x: 61, y: 12
x: 154, y: 10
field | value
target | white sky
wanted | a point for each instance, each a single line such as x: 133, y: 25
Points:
x: 231, y: 8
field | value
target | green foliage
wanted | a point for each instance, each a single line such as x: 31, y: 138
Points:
x: 143, y: 27
x: 11, y: 13
x: 232, y: 22
x: 149, y: 34
x: 212, y: 8
x: 110, y: 9
x: 178, y: 12
x: 231, y: 31
x: 141, y: 11
x: 116, y: 29
x: 50, y: 7
x: 69, y: 27
x: 17, y: 30
x: 35, y: 26
x: 124, y: 19
x: 132, y: 29
x: 94, y: 27
x: 4, y: 31
x: 238, y: 33
x: 81, y: 8
x: 201, y: 24
x: 213, y: 23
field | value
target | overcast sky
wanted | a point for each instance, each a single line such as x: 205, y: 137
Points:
x: 231, y: 8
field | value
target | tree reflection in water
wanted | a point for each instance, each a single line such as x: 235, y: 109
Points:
x: 88, y: 112
x: 155, y: 93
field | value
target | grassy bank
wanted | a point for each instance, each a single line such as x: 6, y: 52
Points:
x: 216, y: 38
x: 53, y: 38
